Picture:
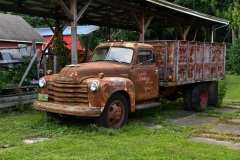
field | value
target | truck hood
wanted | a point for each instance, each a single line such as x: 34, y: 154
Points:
x: 77, y: 73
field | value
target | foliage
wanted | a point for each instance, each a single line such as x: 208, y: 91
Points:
x: 10, y: 76
x: 15, y: 74
x: 62, y: 52
x: 197, y: 5
x: 37, y: 22
x: 219, y: 7
x: 233, y: 59
x: 126, y: 35
x: 3, y: 80
x: 94, y: 39
x: 222, y: 90
x: 234, y: 11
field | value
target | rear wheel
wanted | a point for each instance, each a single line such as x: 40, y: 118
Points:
x: 200, y: 97
x: 115, y: 113
x: 213, y: 93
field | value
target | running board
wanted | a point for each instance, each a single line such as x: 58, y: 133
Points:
x: 147, y: 105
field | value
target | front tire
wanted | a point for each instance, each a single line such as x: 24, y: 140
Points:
x: 115, y: 113
x: 200, y: 97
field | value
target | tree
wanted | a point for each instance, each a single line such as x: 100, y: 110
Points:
x: 197, y: 5
x: 233, y: 59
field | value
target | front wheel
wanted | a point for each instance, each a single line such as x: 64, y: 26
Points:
x: 115, y: 113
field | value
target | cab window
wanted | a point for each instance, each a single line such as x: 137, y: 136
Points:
x: 145, y: 57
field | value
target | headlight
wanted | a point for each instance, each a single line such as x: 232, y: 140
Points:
x: 93, y: 86
x: 42, y: 82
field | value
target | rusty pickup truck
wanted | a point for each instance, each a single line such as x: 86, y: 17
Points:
x: 122, y: 77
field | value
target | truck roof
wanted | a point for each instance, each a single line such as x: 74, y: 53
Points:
x: 125, y: 44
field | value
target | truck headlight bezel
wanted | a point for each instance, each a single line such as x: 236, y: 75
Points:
x: 42, y: 82
x: 93, y: 86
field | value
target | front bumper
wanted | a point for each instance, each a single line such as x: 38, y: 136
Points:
x: 76, y: 110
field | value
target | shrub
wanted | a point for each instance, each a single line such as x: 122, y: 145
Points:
x: 233, y: 59
x: 222, y: 89
x: 3, y: 80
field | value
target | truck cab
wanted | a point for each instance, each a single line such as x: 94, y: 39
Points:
x: 120, y: 78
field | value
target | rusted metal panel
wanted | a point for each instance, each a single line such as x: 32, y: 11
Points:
x: 189, y: 62
x: 107, y: 87
x: 69, y: 109
x: 145, y: 81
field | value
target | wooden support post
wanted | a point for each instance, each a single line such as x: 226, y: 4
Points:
x: 233, y: 36
x: 195, y: 35
x: 212, y: 37
x: 142, y: 26
x: 208, y: 34
x: 44, y: 65
x: 55, y: 63
x: 183, y: 31
x: 73, y: 7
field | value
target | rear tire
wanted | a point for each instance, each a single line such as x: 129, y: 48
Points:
x: 213, y: 94
x: 187, y: 97
x: 200, y: 95
x: 115, y: 113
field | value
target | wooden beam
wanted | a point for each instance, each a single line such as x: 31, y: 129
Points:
x: 49, y: 25
x: 83, y: 10
x: 66, y: 10
x: 65, y: 25
x: 137, y: 23
x: 148, y: 23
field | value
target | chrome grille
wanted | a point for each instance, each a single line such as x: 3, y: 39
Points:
x: 69, y: 93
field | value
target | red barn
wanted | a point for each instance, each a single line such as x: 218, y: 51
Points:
x: 47, y: 34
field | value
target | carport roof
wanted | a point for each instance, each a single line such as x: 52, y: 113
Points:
x: 80, y: 30
x: 116, y: 13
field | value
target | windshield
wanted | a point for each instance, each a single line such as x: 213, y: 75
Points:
x: 122, y: 55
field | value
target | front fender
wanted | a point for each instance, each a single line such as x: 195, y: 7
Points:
x: 107, y: 87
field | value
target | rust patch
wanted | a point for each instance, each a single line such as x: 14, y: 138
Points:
x: 190, y: 61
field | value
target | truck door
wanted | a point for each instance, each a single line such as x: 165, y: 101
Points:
x: 146, y: 75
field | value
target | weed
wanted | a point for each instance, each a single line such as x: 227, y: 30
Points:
x: 222, y: 90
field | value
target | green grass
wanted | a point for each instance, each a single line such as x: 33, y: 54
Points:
x: 82, y: 139
x: 74, y: 138
x: 233, y: 86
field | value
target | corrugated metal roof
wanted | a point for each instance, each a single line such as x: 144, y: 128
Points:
x: 122, y: 14
x: 15, y: 29
x: 80, y: 30
x: 188, y: 11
